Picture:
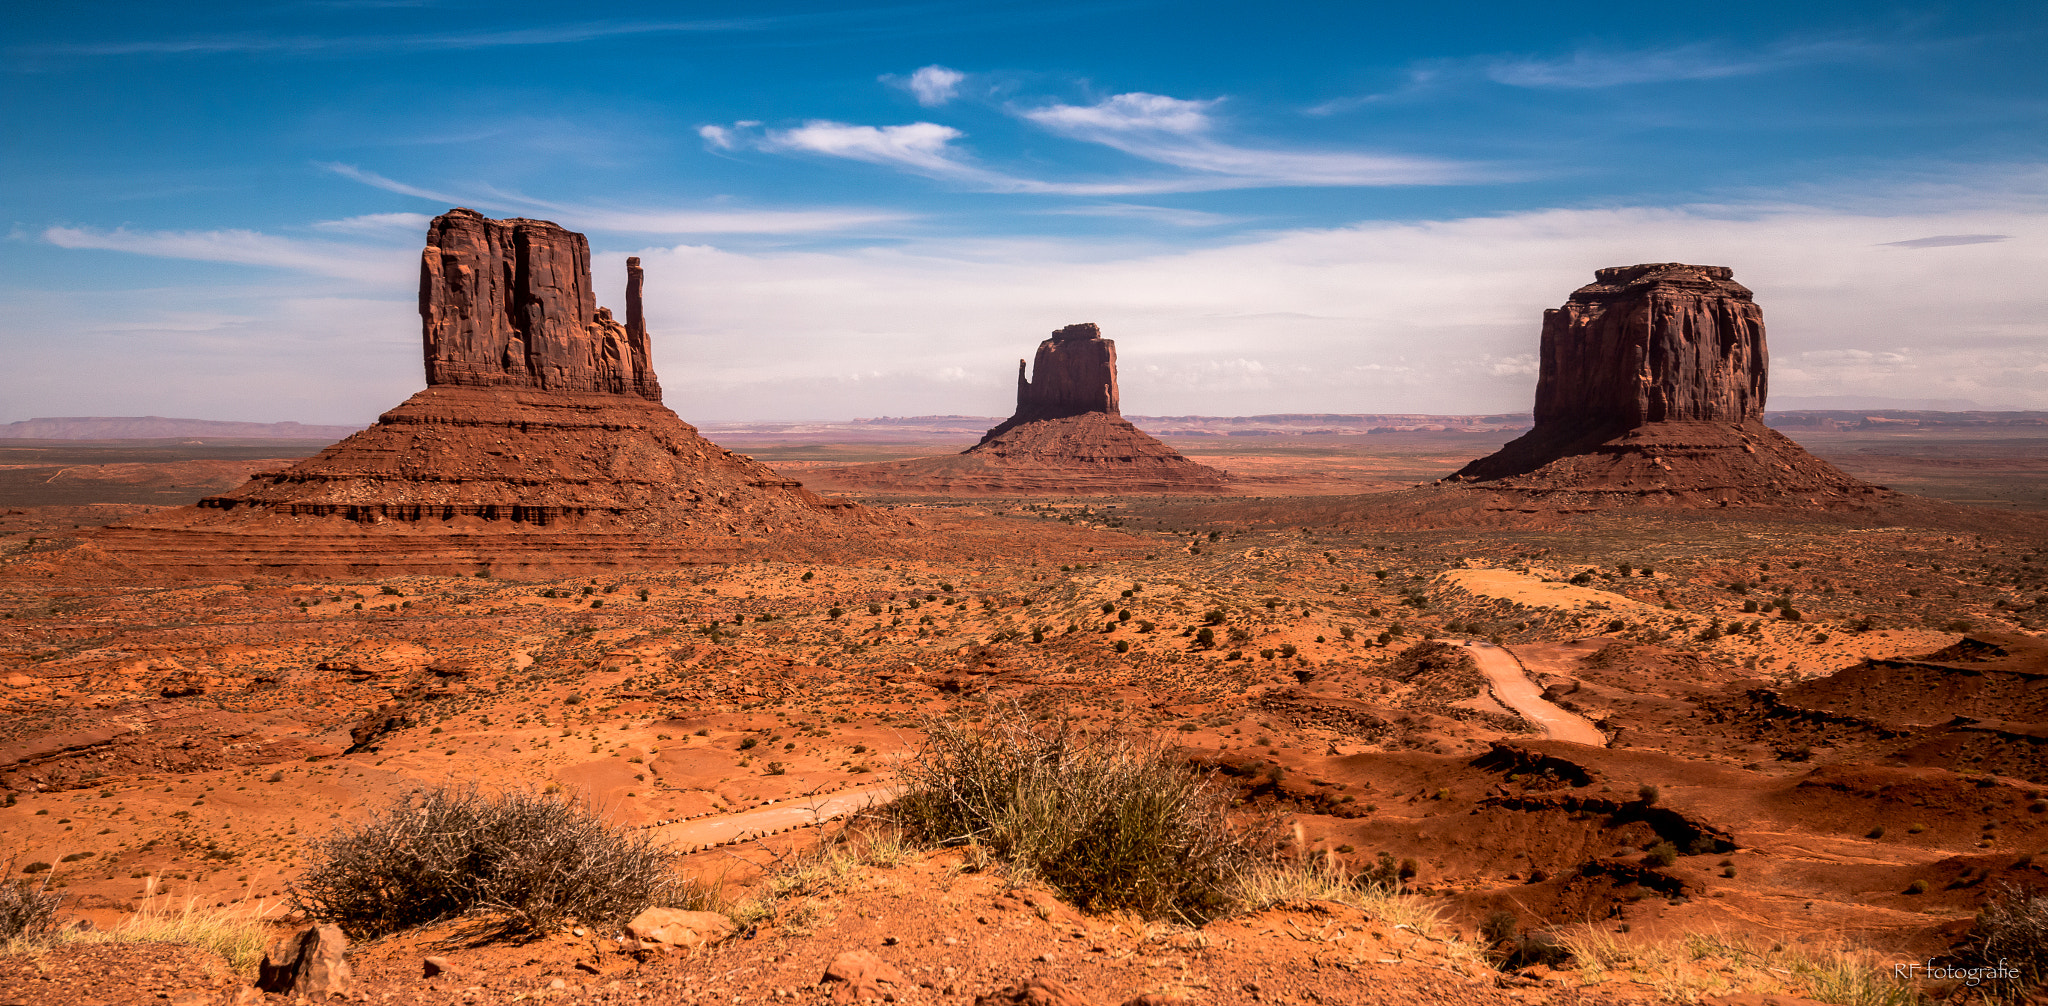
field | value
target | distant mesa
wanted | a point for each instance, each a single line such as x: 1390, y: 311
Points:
x: 1650, y: 391
x: 1068, y: 436
x: 540, y: 444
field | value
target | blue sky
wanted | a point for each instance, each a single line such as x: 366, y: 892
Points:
x: 873, y: 210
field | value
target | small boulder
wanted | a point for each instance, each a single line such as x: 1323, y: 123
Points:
x: 859, y: 975
x: 677, y: 928
x: 1033, y: 992
x: 437, y: 966
x: 311, y: 964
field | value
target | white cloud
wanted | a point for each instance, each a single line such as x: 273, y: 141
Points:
x: 241, y: 247
x: 935, y: 85
x: 1947, y: 240
x: 378, y: 224
x: 922, y: 147
x: 1123, y: 113
x: 1175, y: 132
x: 1428, y: 316
x: 1432, y: 316
x: 1167, y: 131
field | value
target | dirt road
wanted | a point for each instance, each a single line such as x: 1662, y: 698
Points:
x: 1512, y: 688
x: 768, y: 820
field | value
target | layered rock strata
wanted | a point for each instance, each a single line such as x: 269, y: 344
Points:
x: 1066, y: 437
x: 540, y: 444
x: 1650, y: 390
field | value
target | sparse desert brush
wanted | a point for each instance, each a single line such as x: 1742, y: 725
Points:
x: 530, y: 861
x: 2011, y: 929
x: 1111, y: 821
x: 237, y: 933
x: 28, y: 911
x: 1698, y: 964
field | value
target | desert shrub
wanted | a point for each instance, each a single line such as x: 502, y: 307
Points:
x: 1531, y: 949
x: 2012, y: 930
x: 1648, y: 794
x: 1499, y: 927
x: 1111, y: 821
x: 533, y: 861
x: 28, y: 912
x: 1661, y: 854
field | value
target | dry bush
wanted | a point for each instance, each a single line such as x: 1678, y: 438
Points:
x: 1110, y: 821
x: 529, y: 861
x: 2012, y: 930
x: 28, y: 912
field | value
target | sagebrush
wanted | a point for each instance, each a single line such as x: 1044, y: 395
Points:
x: 1111, y: 821
x: 522, y: 862
x: 28, y: 911
x: 2012, y: 931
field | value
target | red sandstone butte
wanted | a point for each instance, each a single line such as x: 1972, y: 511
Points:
x: 1651, y: 391
x: 1067, y: 437
x: 540, y: 445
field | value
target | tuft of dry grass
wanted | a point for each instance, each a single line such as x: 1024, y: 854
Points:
x: 238, y: 933
x: 1705, y: 964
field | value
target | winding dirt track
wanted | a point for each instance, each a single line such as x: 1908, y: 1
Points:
x: 1512, y: 688
x: 769, y: 820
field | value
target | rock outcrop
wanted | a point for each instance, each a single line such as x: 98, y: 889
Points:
x: 1067, y: 436
x: 1650, y: 390
x: 540, y: 444
x: 1074, y: 373
x: 508, y: 304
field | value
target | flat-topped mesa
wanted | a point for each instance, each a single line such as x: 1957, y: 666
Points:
x: 1074, y: 373
x: 1662, y: 342
x: 1651, y: 390
x: 508, y: 304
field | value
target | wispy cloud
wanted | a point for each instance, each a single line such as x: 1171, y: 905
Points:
x: 1161, y: 214
x: 242, y: 247
x: 377, y: 224
x: 935, y: 85
x: 1172, y: 132
x: 1592, y: 68
x: 1588, y: 68
x: 1947, y: 240
x: 1176, y: 132
x: 641, y: 219
x: 921, y: 148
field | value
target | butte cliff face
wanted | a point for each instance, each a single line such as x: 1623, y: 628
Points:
x: 1066, y: 437
x: 1074, y: 374
x: 539, y: 444
x: 508, y: 304
x: 1651, y: 390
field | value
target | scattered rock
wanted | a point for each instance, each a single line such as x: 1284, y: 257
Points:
x: 859, y: 974
x: 311, y: 963
x: 437, y: 966
x: 1033, y: 992
x: 677, y: 928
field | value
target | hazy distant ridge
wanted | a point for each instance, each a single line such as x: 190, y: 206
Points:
x: 159, y: 427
